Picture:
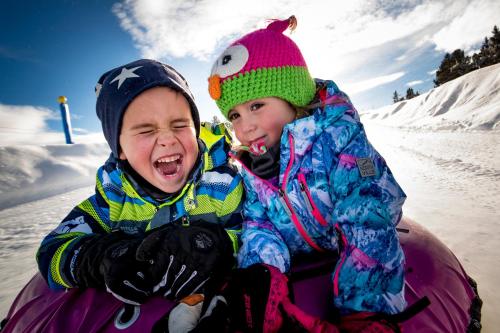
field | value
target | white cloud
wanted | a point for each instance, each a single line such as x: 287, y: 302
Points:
x: 433, y: 72
x: 90, y: 137
x: 354, y: 88
x: 339, y: 39
x: 24, y: 124
x: 27, y: 124
x: 471, y: 22
x: 414, y: 83
x: 80, y: 130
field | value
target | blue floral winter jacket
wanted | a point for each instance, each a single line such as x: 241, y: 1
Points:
x: 335, y: 193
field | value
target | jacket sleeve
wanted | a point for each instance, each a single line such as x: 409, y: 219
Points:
x: 369, y: 275
x: 230, y: 210
x: 58, y: 251
x: 261, y: 242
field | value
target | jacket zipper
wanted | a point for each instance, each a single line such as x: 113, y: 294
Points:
x: 306, y: 195
x: 282, y: 193
x: 343, y: 246
x: 287, y: 206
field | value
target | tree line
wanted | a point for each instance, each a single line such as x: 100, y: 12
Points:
x: 457, y: 63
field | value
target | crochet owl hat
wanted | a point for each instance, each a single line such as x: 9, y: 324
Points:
x: 263, y: 63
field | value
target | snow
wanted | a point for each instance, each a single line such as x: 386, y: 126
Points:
x: 29, y: 172
x: 469, y: 102
x: 452, y: 182
x: 442, y: 146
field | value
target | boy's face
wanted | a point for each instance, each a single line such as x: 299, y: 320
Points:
x: 261, y: 120
x: 158, y: 138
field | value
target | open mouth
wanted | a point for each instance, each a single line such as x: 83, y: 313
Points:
x: 168, y: 166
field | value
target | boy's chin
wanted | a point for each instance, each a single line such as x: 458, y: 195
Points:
x: 169, y: 185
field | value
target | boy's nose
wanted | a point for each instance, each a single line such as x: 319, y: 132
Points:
x: 165, y: 138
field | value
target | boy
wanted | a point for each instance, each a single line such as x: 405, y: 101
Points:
x: 166, y: 211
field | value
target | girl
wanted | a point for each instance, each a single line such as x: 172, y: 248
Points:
x: 313, y: 181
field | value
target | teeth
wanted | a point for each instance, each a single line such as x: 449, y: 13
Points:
x: 169, y: 159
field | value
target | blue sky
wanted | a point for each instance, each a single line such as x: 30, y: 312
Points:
x: 370, y: 48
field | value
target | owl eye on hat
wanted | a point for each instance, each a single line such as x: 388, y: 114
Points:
x: 263, y: 63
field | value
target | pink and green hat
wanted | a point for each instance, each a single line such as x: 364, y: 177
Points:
x: 263, y: 63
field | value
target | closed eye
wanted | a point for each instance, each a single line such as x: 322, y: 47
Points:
x: 181, y: 123
x: 148, y: 131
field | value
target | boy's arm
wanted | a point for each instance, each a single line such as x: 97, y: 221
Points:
x: 225, y: 198
x: 231, y: 210
x: 369, y: 275
x: 58, y: 251
x: 261, y: 242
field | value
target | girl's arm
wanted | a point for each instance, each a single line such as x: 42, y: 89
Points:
x: 261, y: 242
x: 370, y: 273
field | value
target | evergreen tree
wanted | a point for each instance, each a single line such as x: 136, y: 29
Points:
x: 475, y: 61
x: 395, y: 97
x: 484, y: 54
x: 453, y: 65
x: 460, y: 64
x: 410, y: 93
x: 457, y: 64
x: 495, y: 45
x: 443, y: 71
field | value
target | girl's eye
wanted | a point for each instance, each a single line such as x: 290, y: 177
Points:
x: 256, y: 106
x: 233, y: 116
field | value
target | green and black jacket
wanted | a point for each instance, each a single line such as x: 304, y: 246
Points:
x: 122, y: 201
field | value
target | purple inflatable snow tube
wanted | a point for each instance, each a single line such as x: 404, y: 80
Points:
x: 431, y: 270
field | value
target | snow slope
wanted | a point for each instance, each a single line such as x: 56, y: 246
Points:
x: 470, y: 102
x: 29, y: 172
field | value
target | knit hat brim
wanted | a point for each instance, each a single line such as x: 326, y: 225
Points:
x: 114, y: 95
x: 290, y: 83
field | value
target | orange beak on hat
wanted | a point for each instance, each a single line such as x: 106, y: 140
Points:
x: 214, y: 87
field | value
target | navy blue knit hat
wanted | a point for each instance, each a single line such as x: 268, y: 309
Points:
x: 118, y: 87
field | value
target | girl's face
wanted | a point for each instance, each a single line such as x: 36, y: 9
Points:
x: 261, y: 120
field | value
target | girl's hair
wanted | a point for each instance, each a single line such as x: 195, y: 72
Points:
x: 302, y: 111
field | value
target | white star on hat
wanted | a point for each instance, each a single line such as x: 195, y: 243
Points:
x: 125, y: 74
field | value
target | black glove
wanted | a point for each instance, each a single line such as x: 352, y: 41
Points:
x: 109, y: 261
x: 185, y: 257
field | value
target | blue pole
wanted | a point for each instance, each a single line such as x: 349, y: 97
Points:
x: 63, y: 106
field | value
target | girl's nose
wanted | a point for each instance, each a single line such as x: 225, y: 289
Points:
x: 249, y: 125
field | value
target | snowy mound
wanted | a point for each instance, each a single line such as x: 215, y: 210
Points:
x: 29, y: 172
x: 470, y: 102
